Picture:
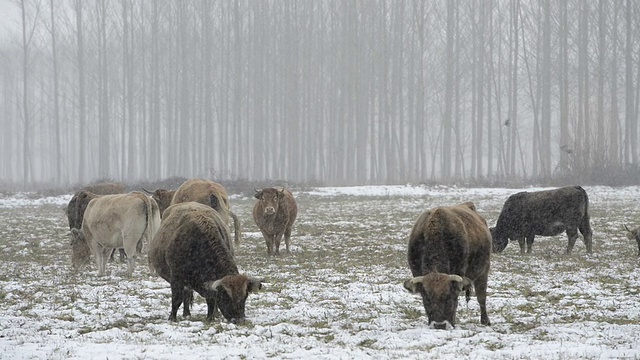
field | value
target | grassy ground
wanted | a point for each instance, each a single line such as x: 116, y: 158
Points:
x: 340, y: 288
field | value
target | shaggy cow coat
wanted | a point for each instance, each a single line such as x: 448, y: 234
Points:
x: 191, y: 251
x: 546, y: 213
x: 449, y: 250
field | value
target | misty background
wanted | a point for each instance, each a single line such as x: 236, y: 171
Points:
x: 322, y: 92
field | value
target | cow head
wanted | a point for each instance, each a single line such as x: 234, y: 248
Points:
x: 80, y: 251
x: 231, y: 294
x: 439, y: 296
x: 270, y: 199
x: 162, y: 197
x: 499, y: 242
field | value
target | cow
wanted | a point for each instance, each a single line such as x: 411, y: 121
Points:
x: 545, y: 213
x: 449, y: 251
x: 106, y: 188
x: 203, y: 191
x: 634, y: 235
x: 113, y: 222
x: 274, y: 214
x: 191, y: 251
x: 162, y: 197
x: 80, y: 200
x: 78, y: 204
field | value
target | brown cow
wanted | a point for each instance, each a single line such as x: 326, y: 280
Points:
x: 274, y: 213
x: 191, y: 251
x: 162, y: 197
x: 202, y: 191
x: 449, y: 249
x: 114, y: 222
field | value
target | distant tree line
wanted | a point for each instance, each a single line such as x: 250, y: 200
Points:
x: 330, y: 92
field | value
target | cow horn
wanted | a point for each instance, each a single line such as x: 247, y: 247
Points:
x: 215, y: 284
x: 417, y: 279
x: 255, y: 284
x: 625, y: 226
x: 147, y: 191
x: 455, y: 278
x: 256, y: 190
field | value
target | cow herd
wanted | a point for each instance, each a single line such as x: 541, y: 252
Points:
x: 188, y: 240
x: 187, y: 235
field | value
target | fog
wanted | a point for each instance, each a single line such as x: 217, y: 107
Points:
x: 331, y: 92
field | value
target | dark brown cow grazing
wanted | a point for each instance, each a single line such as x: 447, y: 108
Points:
x: 546, y: 213
x: 274, y: 213
x: 191, y: 252
x: 162, y: 197
x: 202, y: 191
x: 449, y: 249
x: 634, y: 235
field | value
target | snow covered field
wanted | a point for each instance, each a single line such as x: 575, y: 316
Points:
x: 338, y: 294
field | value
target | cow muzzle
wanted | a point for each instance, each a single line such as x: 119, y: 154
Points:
x: 237, y: 321
x: 269, y: 210
x: 440, y: 325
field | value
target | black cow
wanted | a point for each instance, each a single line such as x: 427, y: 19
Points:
x: 546, y: 213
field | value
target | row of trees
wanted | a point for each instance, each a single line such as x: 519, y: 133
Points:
x: 335, y: 92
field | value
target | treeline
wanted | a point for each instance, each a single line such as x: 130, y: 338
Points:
x: 330, y: 92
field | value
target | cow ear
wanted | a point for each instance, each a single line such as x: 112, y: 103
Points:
x: 413, y: 285
x: 258, y: 193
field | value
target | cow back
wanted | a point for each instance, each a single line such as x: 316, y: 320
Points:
x: 118, y: 220
x: 201, y: 190
x: 194, y: 241
x: 447, y: 239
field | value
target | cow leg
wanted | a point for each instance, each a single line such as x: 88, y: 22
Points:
x: 131, y: 258
x: 123, y: 255
x: 530, y: 243
x: 480, y: 286
x: 573, y: 236
x: 521, y: 243
x: 212, y: 308
x: 587, y: 234
x: 101, y: 260
x: 177, y: 295
x: 287, y: 237
x: 269, y: 240
x: 187, y: 300
x: 278, y: 238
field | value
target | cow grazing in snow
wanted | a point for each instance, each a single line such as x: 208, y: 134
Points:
x: 112, y: 222
x: 78, y: 204
x: 449, y: 250
x: 203, y: 191
x: 634, y: 235
x: 274, y: 214
x: 191, y: 251
x: 162, y: 197
x: 546, y: 213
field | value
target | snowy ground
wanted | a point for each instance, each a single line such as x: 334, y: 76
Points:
x: 337, y: 295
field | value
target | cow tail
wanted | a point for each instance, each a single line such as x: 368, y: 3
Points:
x: 148, y: 212
x: 236, y: 228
